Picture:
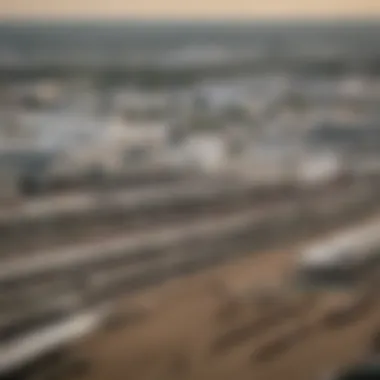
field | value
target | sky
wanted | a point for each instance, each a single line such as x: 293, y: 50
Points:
x: 189, y: 8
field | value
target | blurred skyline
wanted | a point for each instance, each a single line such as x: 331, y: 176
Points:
x: 270, y: 9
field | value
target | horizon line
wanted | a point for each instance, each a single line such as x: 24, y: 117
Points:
x: 308, y: 20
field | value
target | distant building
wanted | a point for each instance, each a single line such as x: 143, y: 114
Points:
x: 316, y: 168
x: 355, y: 135
x: 204, y: 151
x: 56, y: 144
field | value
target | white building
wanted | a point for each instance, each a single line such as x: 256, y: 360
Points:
x: 116, y: 146
x: 73, y: 143
x: 204, y: 151
x: 313, y: 169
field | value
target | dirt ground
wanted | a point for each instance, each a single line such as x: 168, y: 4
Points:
x: 211, y: 326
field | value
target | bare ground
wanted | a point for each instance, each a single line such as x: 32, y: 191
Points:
x: 210, y: 326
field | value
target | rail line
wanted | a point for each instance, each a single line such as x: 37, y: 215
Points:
x: 58, y: 286
x: 266, y: 215
x: 29, y: 340
x: 46, y: 224
x: 169, y: 248
x: 36, y: 187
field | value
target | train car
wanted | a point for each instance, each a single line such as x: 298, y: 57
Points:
x: 342, y: 259
x: 36, y: 344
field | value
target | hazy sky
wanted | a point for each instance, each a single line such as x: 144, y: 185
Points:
x: 190, y: 8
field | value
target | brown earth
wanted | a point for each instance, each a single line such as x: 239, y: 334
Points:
x: 210, y: 326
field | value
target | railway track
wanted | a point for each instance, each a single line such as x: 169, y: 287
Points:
x: 44, y: 224
x: 127, y: 263
x: 264, y: 222
x: 48, y: 223
x: 36, y: 187
x: 54, y: 286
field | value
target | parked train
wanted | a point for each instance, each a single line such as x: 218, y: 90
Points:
x: 343, y: 258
